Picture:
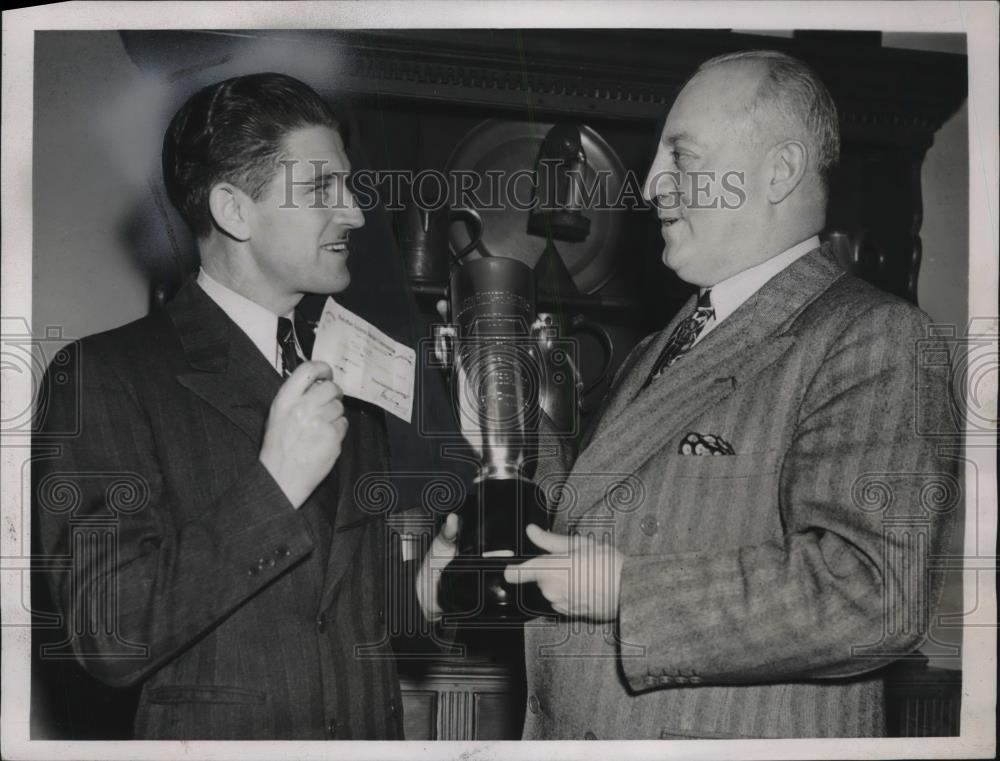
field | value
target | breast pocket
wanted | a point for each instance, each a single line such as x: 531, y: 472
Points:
x: 718, y: 501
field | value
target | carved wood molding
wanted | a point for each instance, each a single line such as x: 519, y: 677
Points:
x: 624, y: 74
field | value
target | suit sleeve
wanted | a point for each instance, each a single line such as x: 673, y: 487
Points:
x: 864, y: 501
x: 151, y: 585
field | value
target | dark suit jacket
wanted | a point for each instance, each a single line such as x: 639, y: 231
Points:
x: 240, y: 617
x: 761, y: 590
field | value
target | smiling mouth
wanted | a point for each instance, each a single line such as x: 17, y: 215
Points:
x: 667, y: 222
x: 337, y: 247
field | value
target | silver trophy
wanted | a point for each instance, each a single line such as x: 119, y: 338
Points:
x: 513, y: 379
x: 497, y: 375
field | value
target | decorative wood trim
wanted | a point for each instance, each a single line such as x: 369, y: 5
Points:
x: 630, y: 74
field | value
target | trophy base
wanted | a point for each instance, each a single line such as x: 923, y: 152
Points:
x: 472, y: 590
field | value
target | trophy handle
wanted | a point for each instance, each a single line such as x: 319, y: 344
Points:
x: 444, y: 344
x: 581, y: 324
x: 475, y: 224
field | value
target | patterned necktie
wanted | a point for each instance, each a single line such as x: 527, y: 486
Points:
x: 683, y: 337
x: 286, y: 342
x: 305, y: 331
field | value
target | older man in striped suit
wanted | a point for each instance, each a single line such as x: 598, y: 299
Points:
x: 721, y: 566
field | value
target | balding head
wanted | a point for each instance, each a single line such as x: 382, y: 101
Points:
x: 740, y: 172
x: 788, y: 102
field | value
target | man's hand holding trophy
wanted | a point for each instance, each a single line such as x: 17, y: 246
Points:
x: 494, y: 562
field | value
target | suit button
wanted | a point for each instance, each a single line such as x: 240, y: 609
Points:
x: 321, y: 624
x: 649, y: 525
x: 681, y: 679
x: 651, y: 681
x: 533, y: 704
x: 331, y: 728
x: 666, y: 679
x: 282, y: 552
x: 590, y: 736
x: 695, y: 680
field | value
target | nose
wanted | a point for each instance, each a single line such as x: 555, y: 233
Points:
x: 349, y: 213
x: 659, y: 179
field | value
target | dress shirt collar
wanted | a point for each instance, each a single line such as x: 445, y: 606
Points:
x: 259, y: 323
x: 732, y: 292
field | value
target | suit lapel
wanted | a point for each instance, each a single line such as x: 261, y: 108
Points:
x: 639, y: 424
x: 225, y: 368
x: 359, y: 454
x: 228, y: 372
x: 633, y: 372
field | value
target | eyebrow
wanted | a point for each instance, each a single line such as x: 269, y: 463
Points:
x: 325, y: 178
x: 680, y: 137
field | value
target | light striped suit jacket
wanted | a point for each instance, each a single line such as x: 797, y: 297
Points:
x: 762, y: 591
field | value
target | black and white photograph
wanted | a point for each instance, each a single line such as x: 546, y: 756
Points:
x: 482, y: 380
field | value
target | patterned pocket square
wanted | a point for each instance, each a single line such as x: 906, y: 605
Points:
x: 705, y: 444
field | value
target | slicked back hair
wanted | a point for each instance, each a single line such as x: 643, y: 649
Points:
x: 233, y: 132
x: 792, y: 90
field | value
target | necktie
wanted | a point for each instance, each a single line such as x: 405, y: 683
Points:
x: 305, y: 331
x: 286, y: 342
x: 683, y: 337
x: 322, y: 506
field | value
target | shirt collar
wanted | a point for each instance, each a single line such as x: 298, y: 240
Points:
x: 259, y: 323
x: 732, y: 292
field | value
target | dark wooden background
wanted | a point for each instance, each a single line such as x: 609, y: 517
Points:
x: 410, y: 96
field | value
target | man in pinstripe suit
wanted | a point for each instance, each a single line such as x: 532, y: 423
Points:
x: 720, y: 565
x: 245, y: 583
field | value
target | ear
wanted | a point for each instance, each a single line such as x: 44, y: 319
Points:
x: 230, y: 209
x: 788, y: 164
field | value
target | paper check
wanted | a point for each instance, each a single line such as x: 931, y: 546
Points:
x: 367, y: 364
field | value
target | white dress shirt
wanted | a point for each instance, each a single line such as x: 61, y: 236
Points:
x: 260, y: 324
x: 732, y: 292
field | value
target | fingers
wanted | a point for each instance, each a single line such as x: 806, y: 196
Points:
x: 302, y: 380
x: 523, y: 573
x: 319, y: 400
x: 443, y: 547
x: 441, y: 551
x: 322, y: 403
x: 550, y: 542
x: 449, y: 531
x: 322, y: 392
x: 537, y: 569
x: 552, y: 578
x: 578, y: 575
x: 340, y: 427
x: 557, y: 545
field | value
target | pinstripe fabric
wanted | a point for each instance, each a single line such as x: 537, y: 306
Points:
x: 179, y: 400
x: 753, y: 592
